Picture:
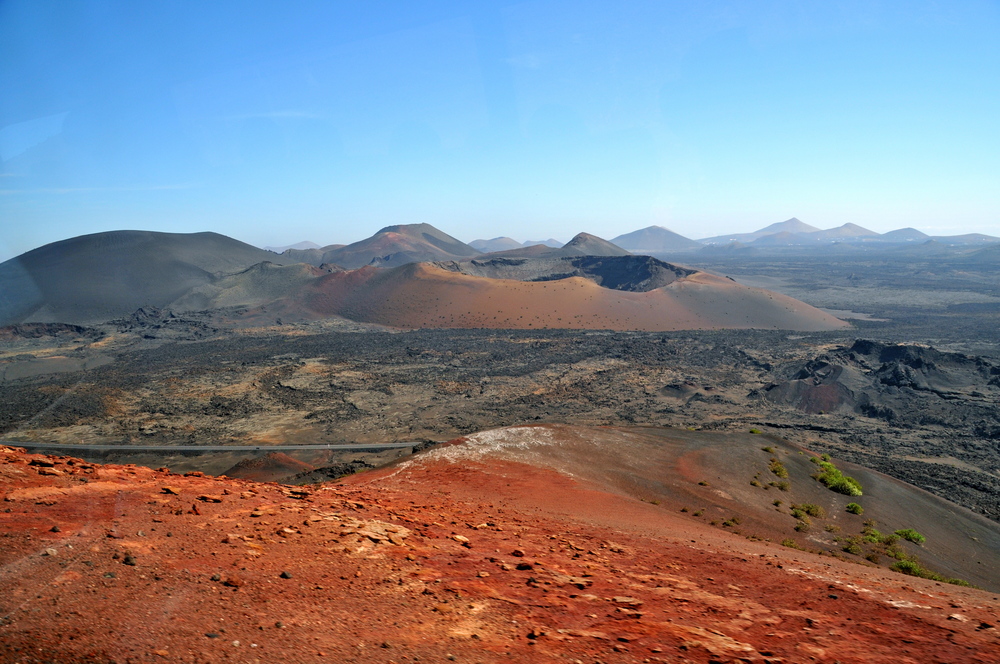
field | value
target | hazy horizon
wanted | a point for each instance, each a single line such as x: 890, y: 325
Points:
x: 275, y: 124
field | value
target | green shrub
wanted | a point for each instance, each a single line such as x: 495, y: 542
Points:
x: 910, y: 567
x: 853, y: 548
x: 698, y: 513
x: 782, y: 485
x: 801, y: 526
x: 825, y: 457
x: 812, y: 510
x: 854, y: 508
x: 703, y: 483
x: 831, y: 477
x: 873, y: 536
x: 791, y: 544
x: 777, y: 502
x: 778, y: 468
x: 910, y: 535
x: 684, y: 509
x: 768, y: 449
x: 831, y: 528
x: 756, y: 431
x: 754, y: 482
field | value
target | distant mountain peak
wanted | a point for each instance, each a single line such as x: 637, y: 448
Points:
x: 586, y: 244
x: 655, y: 239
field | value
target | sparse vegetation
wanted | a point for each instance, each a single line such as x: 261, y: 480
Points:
x: 755, y: 482
x: 791, y: 544
x: 798, y: 513
x: 684, y: 509
x: 756, y: 431
x: 778, y: 468
x: 698, y: 513
x: 831, y: 528
x: 782, y: 485
x: 777, y: 502
x: 768, y: 449
x: 910, y: 535
x: 703, y: 483
x: 854, y: 508
x: 801, y: 526
x: 812, y: 510
x: 913, y: 568
x: 831, y: 477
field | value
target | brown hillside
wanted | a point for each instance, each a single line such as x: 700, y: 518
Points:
x: 422, y: 295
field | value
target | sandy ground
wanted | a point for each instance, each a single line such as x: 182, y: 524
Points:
x: 488, y: 560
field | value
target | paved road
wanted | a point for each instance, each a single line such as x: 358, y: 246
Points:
x: 203, y: 448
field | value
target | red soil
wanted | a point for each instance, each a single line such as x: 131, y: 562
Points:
x: 420, y: 562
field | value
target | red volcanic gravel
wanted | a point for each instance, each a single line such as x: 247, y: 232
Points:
x: 430, y: 562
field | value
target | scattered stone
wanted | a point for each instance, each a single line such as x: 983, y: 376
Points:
x: 285, y: 575
x: 49, y: 471
x: 55, y: 529
x: 44, y: 463
x: 171, y: 490
x: 626, y: 601
x: 233, y: 581
x: 208, y: 498
x: 50, y: 552
x: 129, y: 560
x: 483, y: 575
x: 958, y: 616
x: 537, y: 632
x: 525, y: 566
x: 517, y: 553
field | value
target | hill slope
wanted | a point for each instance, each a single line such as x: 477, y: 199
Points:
x: 97, y: 277
x: 485, y: 550
x: 655, y: 239
x: 792, y: 225
x: 425, y: 295
x: 583, y: 244
x: 397, y: 245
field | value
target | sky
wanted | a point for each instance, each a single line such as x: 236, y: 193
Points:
x: 276, y: 122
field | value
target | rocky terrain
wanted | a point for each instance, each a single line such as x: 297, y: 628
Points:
x: 484, y: 560
x: 174, y: 380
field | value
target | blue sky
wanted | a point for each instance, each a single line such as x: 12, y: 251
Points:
x: 278, y: 122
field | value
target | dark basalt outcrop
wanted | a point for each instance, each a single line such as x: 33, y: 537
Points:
x: 624, y: 273
x: 885, y: 380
